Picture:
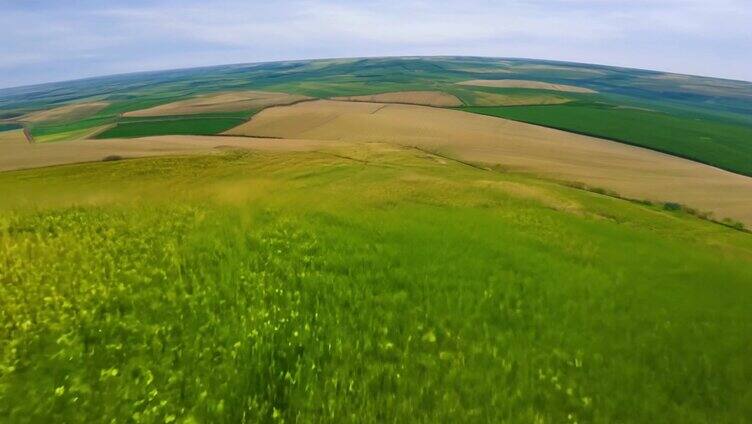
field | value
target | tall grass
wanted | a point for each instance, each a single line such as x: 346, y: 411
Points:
x: 371, y: 286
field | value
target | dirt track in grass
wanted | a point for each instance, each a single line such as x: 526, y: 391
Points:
x: 630, y: 171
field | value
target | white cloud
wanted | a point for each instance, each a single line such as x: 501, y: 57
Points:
x: 680, y: 35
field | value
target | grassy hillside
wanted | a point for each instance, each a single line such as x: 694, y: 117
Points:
x: 721, y: 144
x: 371, y: 285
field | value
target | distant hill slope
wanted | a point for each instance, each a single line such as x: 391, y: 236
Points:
x: 705, y: 119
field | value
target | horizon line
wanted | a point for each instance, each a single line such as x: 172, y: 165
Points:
x: 2, y: 89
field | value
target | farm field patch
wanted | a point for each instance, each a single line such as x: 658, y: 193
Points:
x: 512, y: 98
x: 536, y: 253
x: 721, y: 144
x: 173, y: 125
x: 630, y: 171
x: 539, y: 85
x: 71, y: 112
x: 221, y: 102
x: 425, y: 98
x: 246, y: 293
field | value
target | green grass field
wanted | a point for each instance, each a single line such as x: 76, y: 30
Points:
x: 369, y: 285
x: 720, y: 144
x: 169, y: 125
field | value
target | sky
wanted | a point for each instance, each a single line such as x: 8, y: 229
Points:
x: 56, y: 40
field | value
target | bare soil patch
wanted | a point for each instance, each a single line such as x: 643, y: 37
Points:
x: 630, y: 171
x: 426, y: 98
x: 538, y: 85
x: 235, y: 101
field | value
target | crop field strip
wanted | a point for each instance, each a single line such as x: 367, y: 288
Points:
x: 204, y: 115
x: 72, y: 112
x: 16, y: 153
x: 512, y: 83
x: 237, y: 101
x: 725, y: 153
x: 356, y: 78
x: 10, y: 126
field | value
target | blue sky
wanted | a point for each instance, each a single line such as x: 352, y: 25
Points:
x: 53, y: 40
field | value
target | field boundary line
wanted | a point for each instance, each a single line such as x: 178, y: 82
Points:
x: 27, y: 134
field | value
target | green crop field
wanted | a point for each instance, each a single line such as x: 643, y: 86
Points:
x: 360, y: 285
x: 188, y: 124
x: 722, y: 144
x: 8, y: 127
